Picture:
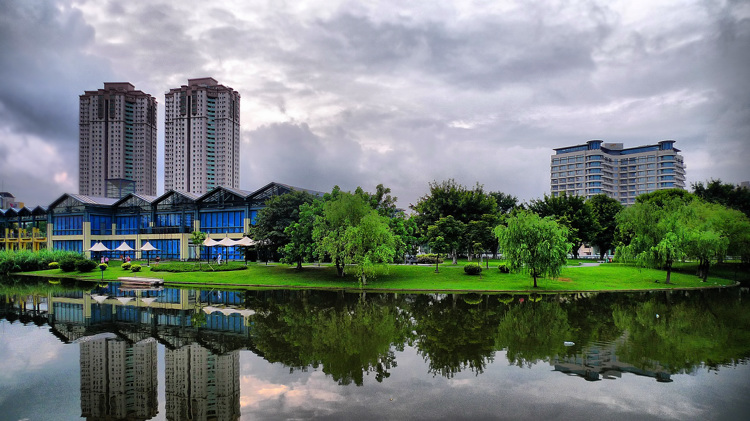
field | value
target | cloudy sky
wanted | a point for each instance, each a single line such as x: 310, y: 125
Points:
x: 360, y: 93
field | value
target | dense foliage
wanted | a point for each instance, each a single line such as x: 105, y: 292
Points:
x: 26, y: 261
x: 533, y: 244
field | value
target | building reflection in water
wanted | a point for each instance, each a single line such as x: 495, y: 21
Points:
x: 201, y: 385
x: 118, y: 379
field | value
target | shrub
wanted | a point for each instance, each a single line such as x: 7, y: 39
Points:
x: 86, y: 265
x: 135, y: 268
x: 504, y: 269
x: 125, y: 266
x: 103, y: 266
x: 68, y: 264
x: 53, y: 265
x: 431, y: 258
x: 472, y: 269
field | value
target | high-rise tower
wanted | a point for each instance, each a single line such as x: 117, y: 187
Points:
x: 201, y: 137
x: 117, y: 142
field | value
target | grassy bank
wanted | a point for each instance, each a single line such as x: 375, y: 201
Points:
x: 606, y: 277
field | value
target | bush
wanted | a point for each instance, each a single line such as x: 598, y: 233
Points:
x: 25, y: 260
x: 68, y: 264
x: 86, y: 265
x: 135, y: 268
x: 504, y: 269
x: 472, y: 269
x: 125, y: 266
x: 103, y: 266
x: 53, y: 265
x: 431, y: 258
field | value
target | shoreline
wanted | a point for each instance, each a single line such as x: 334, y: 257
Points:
x: 358, y: 289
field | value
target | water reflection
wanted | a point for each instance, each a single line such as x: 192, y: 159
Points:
x: 118, y: 379
x: 350, y: 337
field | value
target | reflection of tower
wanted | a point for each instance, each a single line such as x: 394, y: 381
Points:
x: 201, y: 385
x: 118, y: 379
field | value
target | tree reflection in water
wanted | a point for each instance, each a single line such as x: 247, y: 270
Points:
x: 348, y: 336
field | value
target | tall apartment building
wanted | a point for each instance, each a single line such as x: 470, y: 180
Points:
x: 201, y: 137
x: 117, y: 142
x: 118, y: 379
x: 201, y: 385
x: 621, y: 173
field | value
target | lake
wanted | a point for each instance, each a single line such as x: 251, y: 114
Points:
x: 89, y: 351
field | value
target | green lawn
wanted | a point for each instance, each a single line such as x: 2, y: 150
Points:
x: 424, y: 278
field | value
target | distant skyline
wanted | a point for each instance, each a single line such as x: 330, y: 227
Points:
x: 353, y: 94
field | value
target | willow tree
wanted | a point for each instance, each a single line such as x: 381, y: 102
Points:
x: 533, y: 244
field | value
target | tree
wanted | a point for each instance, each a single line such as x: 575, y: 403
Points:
x: 534, y: 244
x: 657, y: 231
x: 368, y: 244
x: 704, y: 239
x: 279, y: 213
x: 452, y: 232
x: 479, y: 236
x: 197, y: 238
x: 381, y: 200
x: 729, y: 195
x: 505, y: 202
x: 573, y: 212
x: 405, y: 230
x: 438, y: 245
x: 351, y: 232
x: 449, y: 198
x: 605, y: 210
x: 301, y: 245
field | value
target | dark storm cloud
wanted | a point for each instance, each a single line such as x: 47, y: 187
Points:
x: 360, y: 94
x: 44, y: 69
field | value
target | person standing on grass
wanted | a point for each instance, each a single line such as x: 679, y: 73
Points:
x: 218, y: 259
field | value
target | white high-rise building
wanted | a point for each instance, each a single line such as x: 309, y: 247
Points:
x: 621, y: 173
x: 201, y: 137
x: 117, y: 142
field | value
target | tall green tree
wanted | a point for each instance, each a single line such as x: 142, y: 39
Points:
x: 657, y: 233
x: 452, y: 232
x: 448, y: 198
x: 381, y: 200
x: 534, y: 244
x: 729, y: 195
x: 352, y: 233
x: 301, y: 245
x: 506, y: 203
x: 369, y: 243
x: 196, y: 239
x: 573, y: 212
x: 279, y: 213
x: 604, y: 210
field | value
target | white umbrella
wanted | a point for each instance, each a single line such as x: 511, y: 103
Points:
x: 209, y: 242
x: 99, y: 247
x: 147, y: 248
x: 149, y: 300
x: 124, y: 300
x: 99, y: 298
x: 245, y: 241
x: 227, y: 242
x: 124, y: 247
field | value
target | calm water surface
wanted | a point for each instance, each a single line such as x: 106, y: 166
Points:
x: 88, y: 351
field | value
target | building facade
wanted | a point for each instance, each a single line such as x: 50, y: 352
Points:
x: 201, y: 137
x: 117, y: 142
x: 621, y: 173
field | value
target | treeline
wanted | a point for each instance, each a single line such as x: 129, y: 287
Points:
x: 361, y: 231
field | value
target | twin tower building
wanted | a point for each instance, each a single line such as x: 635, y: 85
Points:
x: 118, y: 137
